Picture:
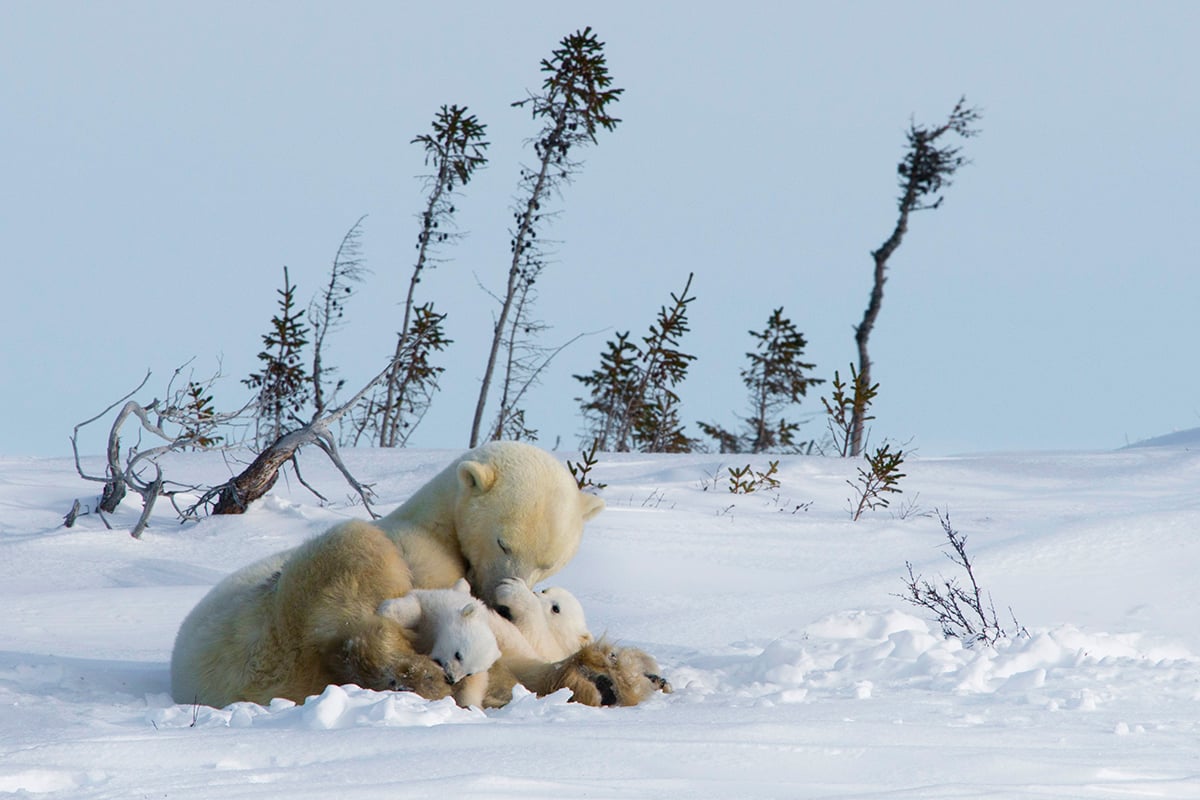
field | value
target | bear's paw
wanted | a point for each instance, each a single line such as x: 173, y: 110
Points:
x: 601, y: 674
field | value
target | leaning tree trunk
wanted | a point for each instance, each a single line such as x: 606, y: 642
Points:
x: 862, y: 333
x: 258, y: 478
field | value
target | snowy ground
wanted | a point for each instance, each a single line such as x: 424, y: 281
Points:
x: 798, y: 672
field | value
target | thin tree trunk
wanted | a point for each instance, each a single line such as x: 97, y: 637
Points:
x: 514, y: 269
x: 862, y: 333
x: 389, y: 418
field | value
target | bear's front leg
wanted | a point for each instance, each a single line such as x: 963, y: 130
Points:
x: 359, y: 660
x: 471, y: 690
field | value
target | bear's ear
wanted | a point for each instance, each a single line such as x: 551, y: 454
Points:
x: 404, y: 610
x: 461, y: 585
x: 590, y: 504
x: 476, y: 475
x: 469, y: 609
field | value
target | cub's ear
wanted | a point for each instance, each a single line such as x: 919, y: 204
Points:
x: 461, y: 585
x: 469, y: 609
x: 404, y: 610
x: 590, y: 504
x: 476, y: 475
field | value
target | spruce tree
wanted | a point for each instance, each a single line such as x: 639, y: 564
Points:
x: 199, y: 417
x: 282, y: 383
x: 776, y: 378
x: 454, y: 149
x: 572, y: 106
x: 633, y: 402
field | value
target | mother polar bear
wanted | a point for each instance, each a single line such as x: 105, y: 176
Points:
x: 504, y: 511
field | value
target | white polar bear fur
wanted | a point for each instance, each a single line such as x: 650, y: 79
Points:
x: 502, y: 510
x: 551, y: 620
x: 453, y: 628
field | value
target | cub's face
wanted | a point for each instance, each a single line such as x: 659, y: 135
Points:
x: 564, y: 614
x: 551, y: 620
x: 463, y: 641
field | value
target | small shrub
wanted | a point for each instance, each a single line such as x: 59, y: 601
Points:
x: 876, y: 483
x: 960, y: 610
x: 844, y: 407
x: 580, y: 469
x: 747, y: 479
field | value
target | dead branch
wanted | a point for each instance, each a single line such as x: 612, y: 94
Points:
x: 153, y: 418
x: 114, y: 486
x: 236, y: 495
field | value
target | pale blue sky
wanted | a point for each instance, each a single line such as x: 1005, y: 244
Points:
x: 161, y: 162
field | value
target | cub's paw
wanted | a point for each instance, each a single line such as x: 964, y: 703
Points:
x: 516, y: 602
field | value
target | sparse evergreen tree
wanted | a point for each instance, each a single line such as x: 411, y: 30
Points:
x: 581, y: 469
x: 199, y: 417
x: 454, y: 149
x: 881, y: 478
x: 633, y: 403
x: 614, y: 389
x: 927, y: 167
x: 776, y: 378
x: 325, y: 312
x: 283, y: 383
x: 844, y: 408
x: 573, y: 106
x: 413, y: 369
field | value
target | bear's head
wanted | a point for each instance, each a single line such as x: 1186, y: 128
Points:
x: 448, y: 625
x: 519, y: 514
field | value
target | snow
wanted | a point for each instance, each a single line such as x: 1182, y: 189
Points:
x: 798, y: 671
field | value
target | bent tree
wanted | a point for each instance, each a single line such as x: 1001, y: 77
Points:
x: 572, y: 106
x: 454, y: 149
x: 927, y: 167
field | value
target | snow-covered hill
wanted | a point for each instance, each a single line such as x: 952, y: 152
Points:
x: 798, y: 670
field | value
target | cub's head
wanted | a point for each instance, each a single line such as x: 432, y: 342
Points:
x: 448, y: 625
x: 551, y: 620
x: 564, y: 616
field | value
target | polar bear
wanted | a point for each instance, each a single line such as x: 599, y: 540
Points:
x: 551, y: 620
x: 505, y: 510
x: 294, y: 623
x: 453, y: 629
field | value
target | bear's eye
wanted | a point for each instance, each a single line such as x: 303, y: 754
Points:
x: 504, y: 548
x: 554, y: 608
x: 458, y: 655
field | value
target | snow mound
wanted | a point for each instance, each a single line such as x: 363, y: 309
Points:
x: 865, y: 654
x: 336, y: 707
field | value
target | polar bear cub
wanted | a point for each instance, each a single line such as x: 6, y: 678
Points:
x: 552, y: 620
x: 453, y: 629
